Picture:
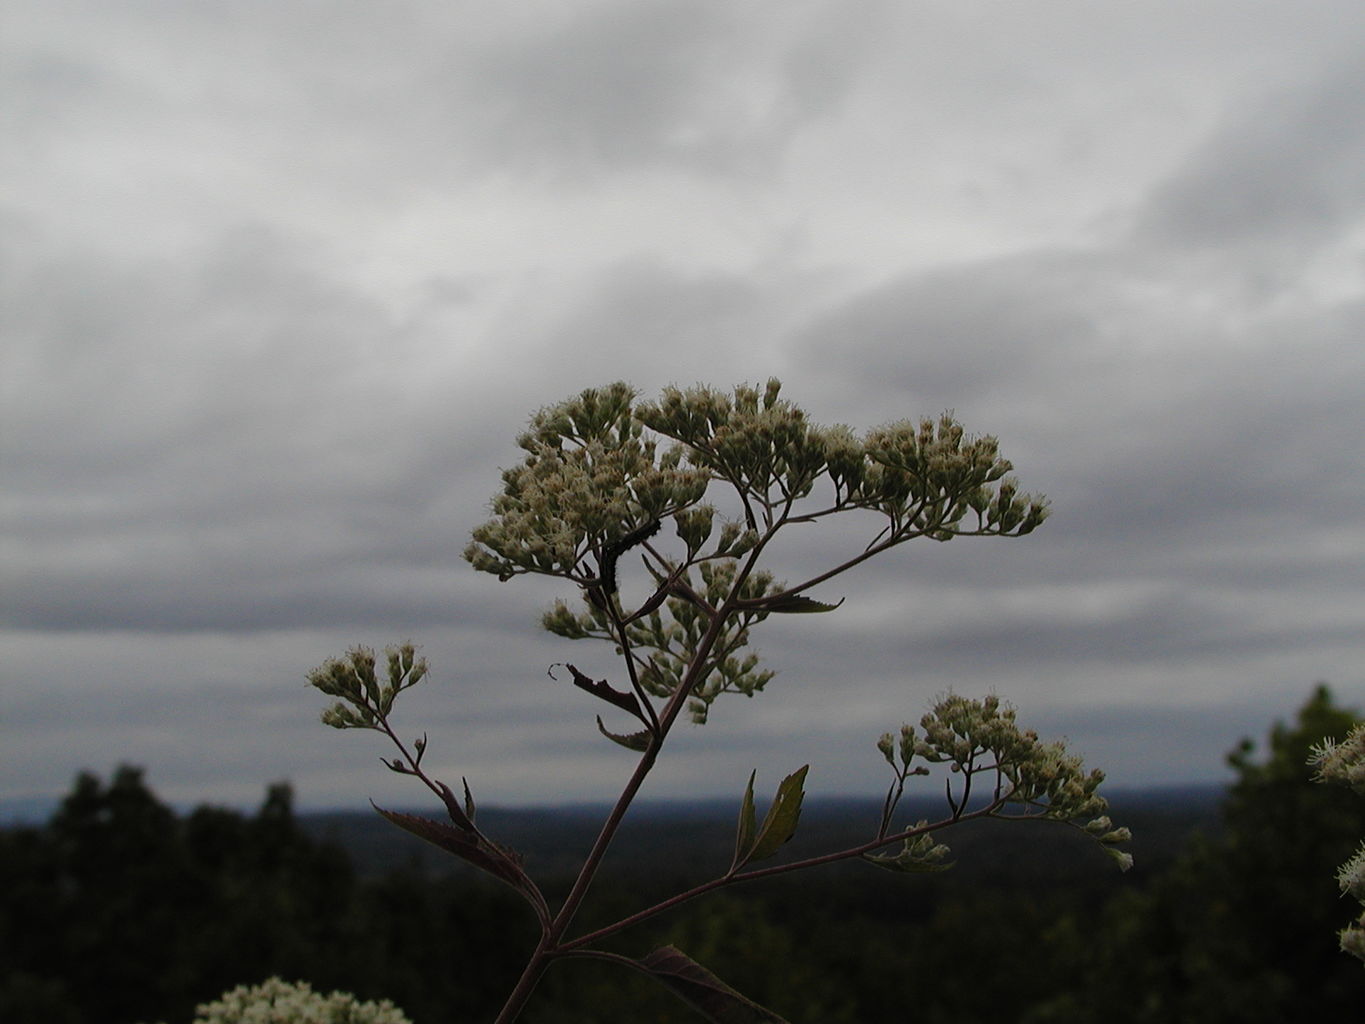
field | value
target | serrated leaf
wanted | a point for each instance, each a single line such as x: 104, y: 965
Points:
x: 744, y: 833
x: 795, y: 603
x: 779, y: 825
x: 631, y: 741
x: 497, y: 862
x: 703, y: 991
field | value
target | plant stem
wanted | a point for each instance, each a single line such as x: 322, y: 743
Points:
x: 549, y: 945
x: 776, y: 869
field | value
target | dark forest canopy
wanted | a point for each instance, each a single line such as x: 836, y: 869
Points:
x: 120, y: 910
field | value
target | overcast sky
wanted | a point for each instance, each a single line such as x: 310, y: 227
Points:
x: 283, y: 279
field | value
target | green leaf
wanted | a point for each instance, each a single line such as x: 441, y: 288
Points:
x: 779, y: 825
x: 702, y: 990
x: 905, y: 864
x: 796, y: 603
x: 631, y: 741
x: 744, y: 834
x: 920, y: 855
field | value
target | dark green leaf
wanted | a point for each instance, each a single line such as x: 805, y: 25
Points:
x: 703, y: 991
x: 744, y: 834
x: 779, y: 824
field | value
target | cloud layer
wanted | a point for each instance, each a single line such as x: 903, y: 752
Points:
x: 282, y: 283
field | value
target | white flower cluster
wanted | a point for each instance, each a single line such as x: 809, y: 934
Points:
x: 281, y: 1002
x: 1344, y: 763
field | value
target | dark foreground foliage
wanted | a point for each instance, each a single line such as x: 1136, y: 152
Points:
x: 118, y: 910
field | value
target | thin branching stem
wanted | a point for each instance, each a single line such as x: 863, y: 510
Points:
x: 527, y: 886
x: 739, y: 877
x: 549, y: 945
x: 622, y: 639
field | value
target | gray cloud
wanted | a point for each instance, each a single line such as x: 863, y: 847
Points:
x: 1279, y: 178
x: 280, y: 287
x: 613, y: 86
x: 706, y: 87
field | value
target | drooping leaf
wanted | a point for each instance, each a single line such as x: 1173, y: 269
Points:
x: 795, y: 603
x: 631, y: 741
x: 703, y: 991
x: 779, y: 825
x: 497, y: 861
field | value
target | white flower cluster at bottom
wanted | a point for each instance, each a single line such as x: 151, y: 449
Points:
x: 281, y: 1002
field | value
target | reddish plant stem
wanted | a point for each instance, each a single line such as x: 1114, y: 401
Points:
x: 735, y: 878
x: 549, y: 945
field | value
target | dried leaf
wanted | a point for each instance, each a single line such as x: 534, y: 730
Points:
x: 604, y: 690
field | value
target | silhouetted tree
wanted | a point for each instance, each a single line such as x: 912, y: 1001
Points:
x: 1244, y: 927
x: 118, y: 911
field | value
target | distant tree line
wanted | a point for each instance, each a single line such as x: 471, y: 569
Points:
x: 118, y: 910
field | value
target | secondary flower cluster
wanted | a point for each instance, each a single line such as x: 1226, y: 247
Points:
x: 981, y: 738
x: 365, y: 702
x: 1344, y: 763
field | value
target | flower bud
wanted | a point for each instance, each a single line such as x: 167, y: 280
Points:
x: 887, y: 745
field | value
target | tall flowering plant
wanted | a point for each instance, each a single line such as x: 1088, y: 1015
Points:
x: 685, y: 496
